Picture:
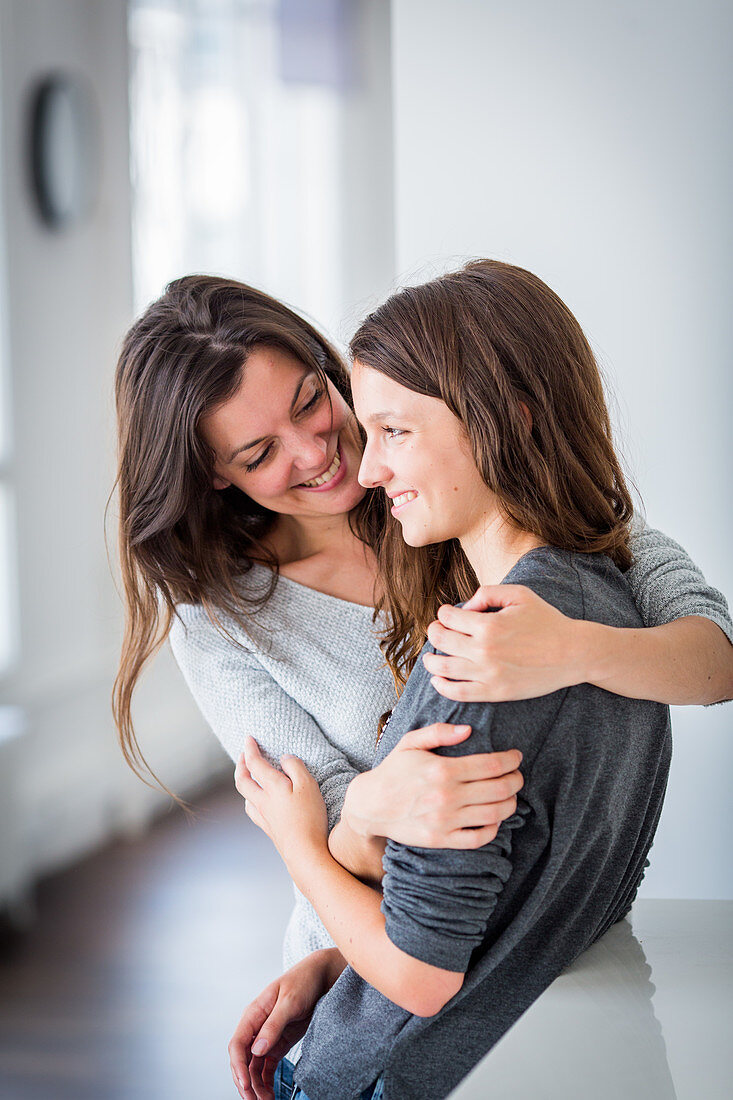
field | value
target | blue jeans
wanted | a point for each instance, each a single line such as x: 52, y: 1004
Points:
x: 286, y: 1089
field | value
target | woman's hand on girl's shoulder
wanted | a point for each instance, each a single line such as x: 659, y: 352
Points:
x: 416, y: 797
x: 524, y: 648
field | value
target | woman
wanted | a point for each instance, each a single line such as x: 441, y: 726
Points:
x: 269, y: 591
x: 487, y: 430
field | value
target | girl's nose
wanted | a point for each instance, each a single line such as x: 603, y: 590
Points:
x: 372, y: 472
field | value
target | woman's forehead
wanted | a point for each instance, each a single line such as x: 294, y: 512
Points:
x: 269, y: 388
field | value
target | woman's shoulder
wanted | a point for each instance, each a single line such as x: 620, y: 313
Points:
x: 275, y: 611
x: 197, y: 623
x: 253, y: 588
x: 193, y: 628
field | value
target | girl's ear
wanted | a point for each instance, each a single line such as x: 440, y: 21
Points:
x: 526, y: 414
x: 220, y: 482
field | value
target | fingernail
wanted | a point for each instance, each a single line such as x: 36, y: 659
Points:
x: 463, y: 729
x: 259, y: 1047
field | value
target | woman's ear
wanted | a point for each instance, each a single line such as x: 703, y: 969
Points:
x: 526, y: 414
x: 220, y: 482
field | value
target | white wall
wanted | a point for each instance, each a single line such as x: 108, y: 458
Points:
x: 68, y: 304
x: 591, y: 144
x: 367, y: 268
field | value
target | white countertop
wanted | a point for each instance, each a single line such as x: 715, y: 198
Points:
x: 646, y: 1013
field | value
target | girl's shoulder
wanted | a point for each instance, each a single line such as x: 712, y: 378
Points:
x: 582, y: 586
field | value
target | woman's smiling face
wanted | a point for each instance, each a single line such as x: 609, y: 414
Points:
x: 419, y: 453
x: 281, y: 442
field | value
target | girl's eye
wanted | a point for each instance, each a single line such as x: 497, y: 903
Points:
x: 259, y: 460
x: 393, y: 433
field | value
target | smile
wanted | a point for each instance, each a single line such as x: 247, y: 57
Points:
x: 399, y: 502
x: 329, y: 478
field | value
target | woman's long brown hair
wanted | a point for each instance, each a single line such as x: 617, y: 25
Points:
x: 495, y: 344
x: 180, y: 540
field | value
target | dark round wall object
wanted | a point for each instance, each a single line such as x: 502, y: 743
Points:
x: 63, y: 142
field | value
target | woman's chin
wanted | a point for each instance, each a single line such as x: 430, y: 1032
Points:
x: 349, y: 493
x: 355, y: 495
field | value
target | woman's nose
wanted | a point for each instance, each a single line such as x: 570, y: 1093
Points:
x: 309, y: 450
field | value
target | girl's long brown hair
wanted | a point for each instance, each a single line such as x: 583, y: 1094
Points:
x: 488, y: 340
x: 180, y: 540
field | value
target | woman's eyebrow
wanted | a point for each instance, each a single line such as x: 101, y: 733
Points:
x: 254, y: 442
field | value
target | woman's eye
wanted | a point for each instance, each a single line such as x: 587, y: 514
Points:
x: 393, y: 433
x: 313, y: 401
x: 259, y: 460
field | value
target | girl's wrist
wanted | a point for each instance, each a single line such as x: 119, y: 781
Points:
x: 303, y: 855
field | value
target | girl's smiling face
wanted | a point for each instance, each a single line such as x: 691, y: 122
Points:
x: 419, y: 453
x: 281, y: 441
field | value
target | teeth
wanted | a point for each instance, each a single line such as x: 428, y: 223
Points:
x: 404, y: 498
x: 328, y: 474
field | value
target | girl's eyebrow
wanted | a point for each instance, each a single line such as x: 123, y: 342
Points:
x: 389, y: 414
x: 253, y: 443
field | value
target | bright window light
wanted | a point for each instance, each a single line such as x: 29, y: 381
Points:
x: 236, y: 169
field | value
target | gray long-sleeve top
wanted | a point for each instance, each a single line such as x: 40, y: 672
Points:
x: 308, y: 677
x: 513, y: 914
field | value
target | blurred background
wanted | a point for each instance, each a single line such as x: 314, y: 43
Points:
x: 325, y: 150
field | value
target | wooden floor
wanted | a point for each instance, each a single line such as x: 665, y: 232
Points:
x: 141, y: 960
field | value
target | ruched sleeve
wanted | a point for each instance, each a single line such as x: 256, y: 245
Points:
x: 437, y: 909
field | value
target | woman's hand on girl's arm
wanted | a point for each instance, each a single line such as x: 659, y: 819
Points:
x: 277, y: 1019
x: 419, y: 798
x: 528, y: 648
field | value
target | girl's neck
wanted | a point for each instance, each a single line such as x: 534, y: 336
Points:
x: 496, y: 547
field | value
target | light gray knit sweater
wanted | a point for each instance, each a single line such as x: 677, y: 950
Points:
x: 308, y: 677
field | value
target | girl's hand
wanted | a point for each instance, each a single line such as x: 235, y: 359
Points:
x: 276, y: 1019
x: 287, y: 805
x: 416, y: 797
x: 525, y: 649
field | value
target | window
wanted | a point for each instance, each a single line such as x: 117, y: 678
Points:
x: 236, y: 152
